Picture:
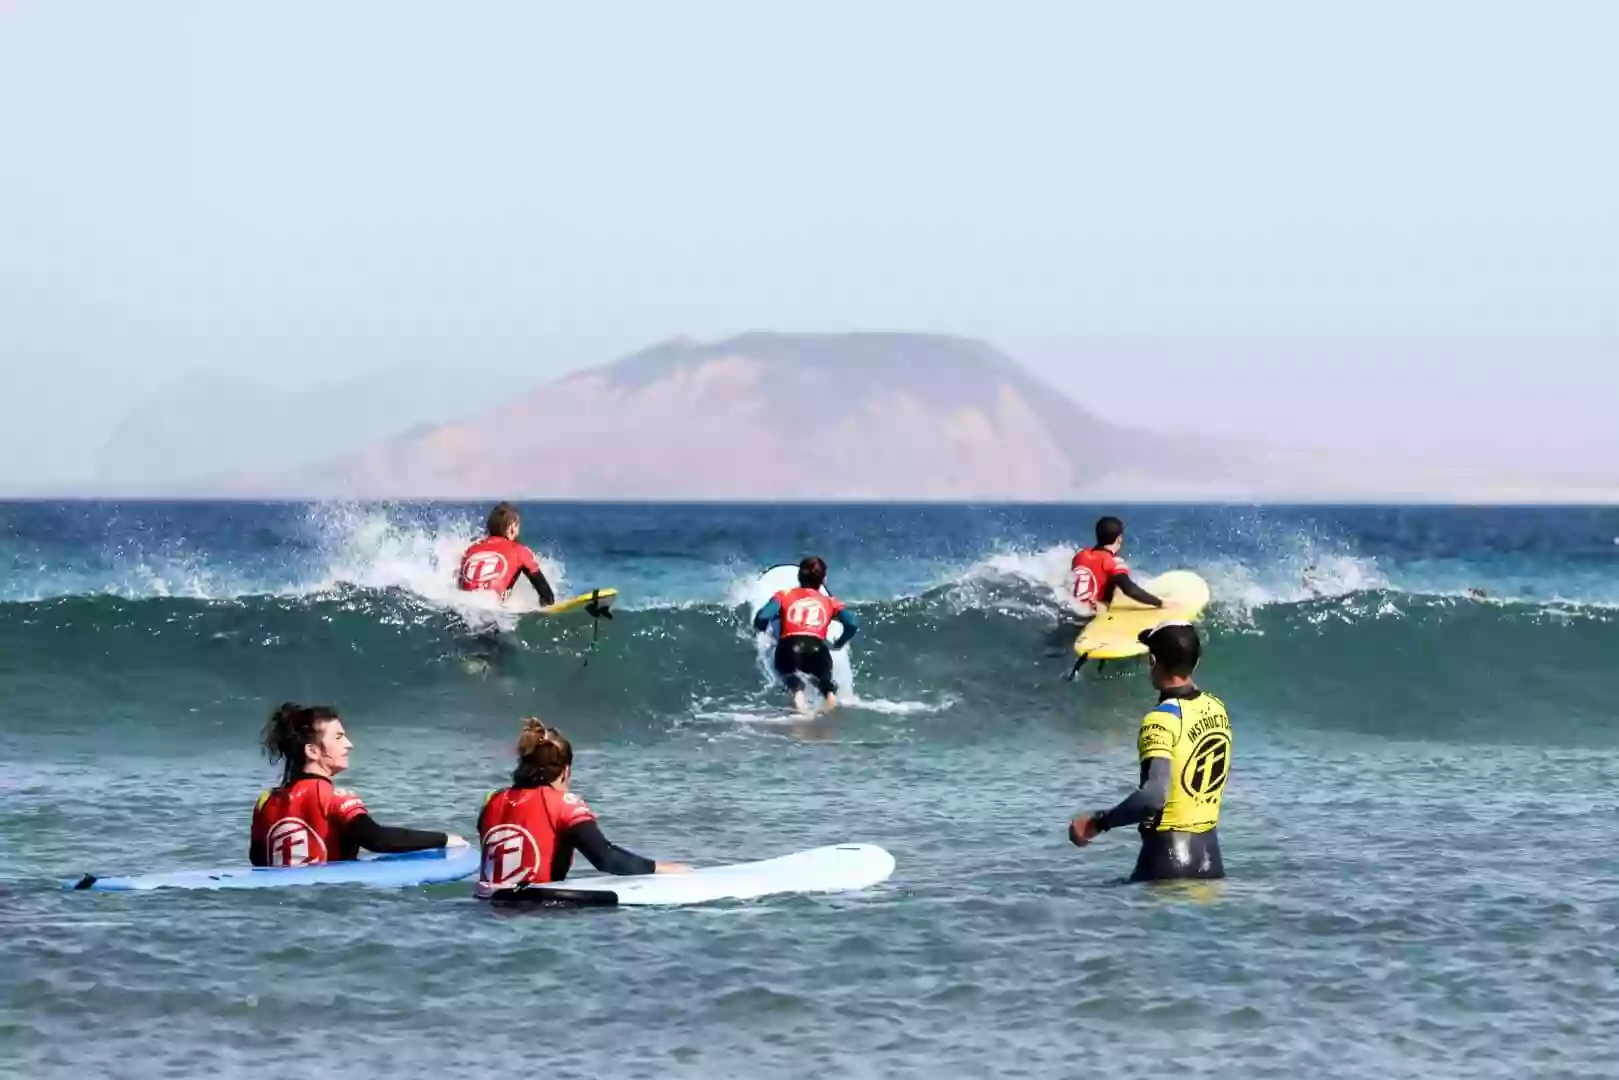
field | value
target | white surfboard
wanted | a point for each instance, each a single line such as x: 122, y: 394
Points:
x: 840, y: 868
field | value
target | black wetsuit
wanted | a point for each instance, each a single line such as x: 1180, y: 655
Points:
x: 807, y: 655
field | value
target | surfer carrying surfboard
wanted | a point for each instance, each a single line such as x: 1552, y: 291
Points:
x: 1185, y: 748
x: 1099, y: 572
x: 498, y: 560
x: 529, y: 831
x: 807, y: 614
x: 306, y: 821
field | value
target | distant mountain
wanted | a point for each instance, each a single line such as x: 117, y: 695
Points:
x: 847, y: 416
x: 205, y: 427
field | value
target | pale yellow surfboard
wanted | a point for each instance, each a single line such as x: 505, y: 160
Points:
x: 1112, y: 634
x: 603, y: 597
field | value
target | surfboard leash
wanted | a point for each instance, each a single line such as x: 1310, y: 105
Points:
x: 597, y: 613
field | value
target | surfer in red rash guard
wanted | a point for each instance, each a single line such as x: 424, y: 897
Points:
x: 806, y: 614
x: 529, y: 831
x: 306, y: 821
x: 498, y: 560
x: 1099, y: 572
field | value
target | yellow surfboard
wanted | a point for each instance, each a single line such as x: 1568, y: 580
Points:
x: 603, y: 599
x: 1112, y: 634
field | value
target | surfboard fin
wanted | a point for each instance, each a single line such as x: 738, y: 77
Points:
x: 595, y: 609
x: 1073, y: 673
x: 558, y: 897
x: 597, y: 613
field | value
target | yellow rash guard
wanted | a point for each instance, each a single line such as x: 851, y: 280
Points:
x: 1194, y: 733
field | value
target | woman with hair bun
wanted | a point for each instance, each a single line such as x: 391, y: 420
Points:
x: 306, y: 821
x: 529, y: 831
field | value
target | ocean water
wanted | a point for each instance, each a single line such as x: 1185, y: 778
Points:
x: 1420, y: 829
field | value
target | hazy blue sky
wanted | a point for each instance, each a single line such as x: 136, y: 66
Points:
x: 1277, y: 220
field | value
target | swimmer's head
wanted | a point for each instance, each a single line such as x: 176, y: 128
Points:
x: 504, y: 520
x: 544, y: 757
x: 1110, y: 533
x: 1175, y: 651
x: 812, y: 572
x: 306, y: 739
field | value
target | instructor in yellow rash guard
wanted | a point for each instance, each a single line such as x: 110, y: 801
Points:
x: 1185, y: 747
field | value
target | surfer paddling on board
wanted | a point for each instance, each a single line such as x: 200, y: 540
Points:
x: 806, y: 615
x: 1099, y: 572
x: 498, y: 560
x: 1185, y: 748
x: 528, y: 832
x: 306, y: 821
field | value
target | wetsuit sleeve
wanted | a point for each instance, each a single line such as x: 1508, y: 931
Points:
x: 536, y: 578
x: 389, y: 838
x: 606, y: 856
x: 772, y: 610
x: 851, y: 626
x: 1125, y: 585
x: 1144, y: 801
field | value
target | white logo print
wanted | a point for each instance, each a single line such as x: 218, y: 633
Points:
x: 1084, y: 584
x: 510, y: 855
x: 290, y: 842
x: 483, y: 568
x: 808, y: 613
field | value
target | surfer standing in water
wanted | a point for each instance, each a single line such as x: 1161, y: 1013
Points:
x: 1099, y: 572
x: 498, y: 560
x: 306, y: 821
x: 528, y: 832
x: 806, y: 615
x: 1185, y: 748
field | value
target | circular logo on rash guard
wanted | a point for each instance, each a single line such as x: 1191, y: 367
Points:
x: 484, y: 568
x: 1206, y: 770
x: 808, y: 612
x: 1084, y: 583
x: 291, y: 842
x: 510, y: 856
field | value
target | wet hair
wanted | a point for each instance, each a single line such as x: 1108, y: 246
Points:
x: 289, y: 729
x: 812, y: 572
x: 1175, y: 646
x: 542, y: 755
x: 503, y: 517
x: 1108, y: 529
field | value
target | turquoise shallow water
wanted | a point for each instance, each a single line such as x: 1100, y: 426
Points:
x: 1419, y: 830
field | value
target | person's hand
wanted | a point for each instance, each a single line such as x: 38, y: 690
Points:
x: 453, y: 840
x: 671, y: 868
x: 1083, y: 829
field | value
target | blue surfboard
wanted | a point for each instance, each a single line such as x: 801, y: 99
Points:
x: 434, y: 866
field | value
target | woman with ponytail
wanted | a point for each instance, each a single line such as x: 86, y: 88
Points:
x: 306, y: 820
x: 529, y: 831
